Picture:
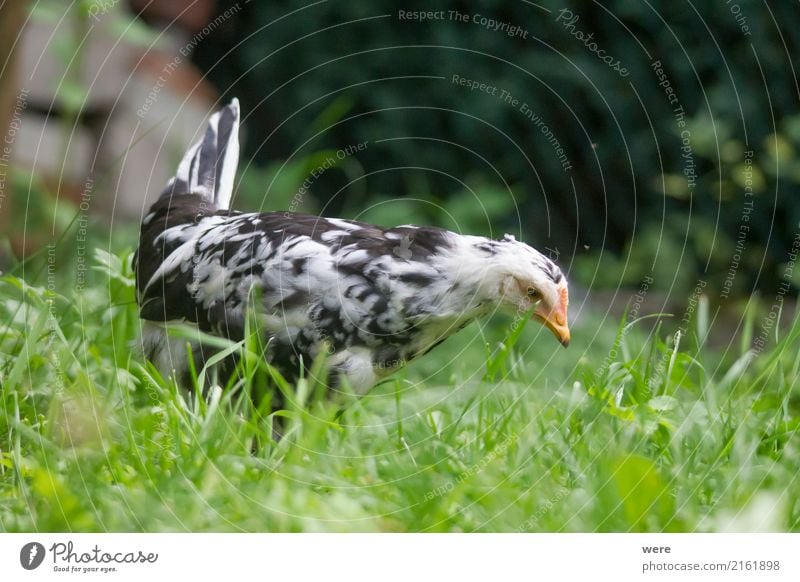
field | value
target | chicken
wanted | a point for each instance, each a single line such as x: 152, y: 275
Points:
x: 375, y: 298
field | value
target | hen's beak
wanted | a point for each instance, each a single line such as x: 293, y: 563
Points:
x: 555, y: 318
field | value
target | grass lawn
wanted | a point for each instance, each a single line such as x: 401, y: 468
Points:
x: 623, y: 431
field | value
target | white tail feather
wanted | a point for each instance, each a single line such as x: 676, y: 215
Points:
x: 208, y: 168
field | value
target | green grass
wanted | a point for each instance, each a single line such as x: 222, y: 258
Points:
x: 621, y: 432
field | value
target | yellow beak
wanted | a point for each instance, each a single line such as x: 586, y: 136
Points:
x: 555, y: 318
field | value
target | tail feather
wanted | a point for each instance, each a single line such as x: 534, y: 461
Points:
x: 208, y: 168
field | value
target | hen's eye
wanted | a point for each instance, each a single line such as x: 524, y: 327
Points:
x: 532, y: 292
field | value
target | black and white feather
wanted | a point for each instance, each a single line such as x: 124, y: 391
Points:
x: 375, y: 298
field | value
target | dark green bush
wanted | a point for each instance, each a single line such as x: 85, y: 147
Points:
x: 377, y: 77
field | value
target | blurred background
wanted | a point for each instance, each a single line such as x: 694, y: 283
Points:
x: 631, y: 144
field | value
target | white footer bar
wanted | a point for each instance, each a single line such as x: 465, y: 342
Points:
x: 401, y: 557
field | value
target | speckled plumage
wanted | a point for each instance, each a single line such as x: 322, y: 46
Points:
x: 375, y: 298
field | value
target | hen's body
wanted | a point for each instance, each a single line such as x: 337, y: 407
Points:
x: 373, y: 298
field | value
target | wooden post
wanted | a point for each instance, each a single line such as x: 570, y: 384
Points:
x: 12, y: 19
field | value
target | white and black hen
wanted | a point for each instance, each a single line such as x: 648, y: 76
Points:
x: 375, y: 298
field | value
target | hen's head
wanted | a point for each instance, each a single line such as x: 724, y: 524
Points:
x: 523, y: 277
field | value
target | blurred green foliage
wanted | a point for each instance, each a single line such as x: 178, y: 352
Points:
x: 439, y: 142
